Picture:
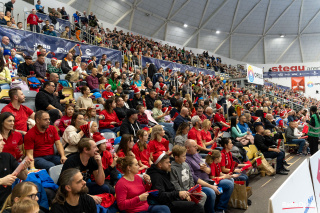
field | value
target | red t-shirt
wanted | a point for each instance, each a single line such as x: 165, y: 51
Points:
x: 21, y: 116
x: 107, y: 95
x: 12, y: 144
x: 227, y: 161
x: 41, y: 143
x: 206, y: 136
x: 215, y: 169
x: 143, y: 156
x: 158, y: 147
x: 195, y: 134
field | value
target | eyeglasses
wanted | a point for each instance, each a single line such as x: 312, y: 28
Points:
x: 34, y: 196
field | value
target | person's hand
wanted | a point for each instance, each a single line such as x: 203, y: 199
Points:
x: 67, y: 95
x: 183, y: 195
x: 146, y: 177
x: 276, y: 150
x: 144, y: 196
x: 97, y: 157
x: 27, y: 164
x: 188, y: 198
x: 2, y: 78
x: 96, y: 199
x: 249, y: 133
x: 115, y: 158
x: 227, y: 176
x: 113, y: 123
x: 215, y: 189
x: 63, y: 159
x: 55, y: 94
x: 235, y: 175
x: 237, y: 170
x: 203, y: 167
x: 8, y: 180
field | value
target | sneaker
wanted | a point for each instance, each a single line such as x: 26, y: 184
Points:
x: 285, y: 163
x: 299, y: 153
x: 285, y: 169
x: 282, y: 172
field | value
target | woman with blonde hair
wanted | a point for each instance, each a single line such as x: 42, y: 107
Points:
x: 206, y: 135
x: 158, y: 144
x: 26, y: 206
x: 158, y: 115
x: 22, y: 191
x: 78, y: 61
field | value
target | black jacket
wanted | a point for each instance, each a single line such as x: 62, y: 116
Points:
x: 150, y: 102
x: 135, y: 102
x: 129, y: 128
x: 24, y: 69
x: 65, y: 66
x: 161, y: 181
x: 259, y: 141
x: 44, y: 99
x: 269, y: 141
x: 121, y: 112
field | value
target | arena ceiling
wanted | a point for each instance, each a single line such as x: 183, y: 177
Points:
x: 255, y: 31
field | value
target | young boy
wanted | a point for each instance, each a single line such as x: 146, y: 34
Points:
x: 119, y: 91
x: 142, y: 117
x: 46, y: 26
x: 107, y: 94
x: 180, y: 175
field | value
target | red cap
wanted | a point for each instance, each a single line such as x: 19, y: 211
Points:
x: 161, y: 85
x: 157, y: 157
x: 255, y: 118
x: 107, y: 85
x: 136, y: 90
x: 98, y: 138
x: 75, y: 68
x: 54, y: 59
x: 218, y: 106
x: 162, y: 92
x: 232, y: 100
x: 164, y: 109
x: 282, y: 113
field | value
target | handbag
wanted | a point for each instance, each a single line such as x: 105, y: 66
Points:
x: 17, y: 83
x: 240, y: 195
x: 265, y: 166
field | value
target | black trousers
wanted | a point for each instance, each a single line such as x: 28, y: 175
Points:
x: 313, y: 144
x: 186, y: 207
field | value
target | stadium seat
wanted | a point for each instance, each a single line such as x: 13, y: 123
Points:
x: 63, y: 76
x: 2, y: 105
x: 108, y: 135
x: 54, y: 173
x: 4, y: 93
x: 99, y: 106
x: 31, y: 105
x: 76, y: 95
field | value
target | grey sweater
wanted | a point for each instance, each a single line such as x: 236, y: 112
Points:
x: 290, y: 134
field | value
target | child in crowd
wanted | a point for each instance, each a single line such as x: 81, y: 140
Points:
x: 119, y: 91
x: 142, y: 151
x: 93, y: 127
x: 142, y: 117
x: 100, y: 101
x: 180, y: 175
x: 108, y: 93
x: 26, y: 206
x: 91, y: 115
x: 125, y: 98
x: 66, y: 119
x: 102, y: 83
x: 166, y: 100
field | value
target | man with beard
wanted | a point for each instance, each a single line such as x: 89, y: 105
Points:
x: 21, y: 112
x: 72, y: 194
x: 39, y: 143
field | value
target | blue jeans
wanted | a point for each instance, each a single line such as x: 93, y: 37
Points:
x: 242, y: 177
x: 95, y: 189
x: 157, y: 209
x: 227, y: 187
x: 114, y: 130
x: 169, y: 127
x: 211, y: 199
x: 279, y: 156
x: 300, y: 142
x: 46, y: 162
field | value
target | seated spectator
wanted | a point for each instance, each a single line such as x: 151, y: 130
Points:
x: 200, y: 113
x: 180, y: 174
x: 130, y: 124
x: 182, y: 134
x: 66, y: 119
x: 18, y: 110
x: 54, y: 67
x: 166, y: 99
x: 245, y: 138
x: 54, y: 77
x: 84, y: 102
x: 93, y: 81
x: 5, y: 43
x: 5, y: 76
x: 195, y: 134
x: 33, y: 21
x: 40, y: 67
x: 9, y: 72
x: 65, y: 33
x: 89, y: 162
x: 13, y: 140
x: 27, y: 206
x: 182, y: 117
x: 209, y: 113
x: 141, y: 150
x: 243, y: 124
x: 219, y: 118
x: 21, y: 192
x: 51, y: 31
x: 39, y: 143
x: 125, y: 146
x: 131, y: 189
x: 107, y: 93
x: 158, y: 115
x: 177, y: 201
x: 116, y: 68
x: 2, y: 19
x: 206, y: 135
x: 121, y: 110
x: 111, y: 122
x: 7, y: 178
x: 39, y: 7
x: 228, y: 165
x: 8, y: 16
x: 45, y: 27
x: 67, y: 63
x: 270, y: 152
x: 47, y: 101
x: 200, y: 172
x: 19, y: 25
x: 157, y: 143
x: 72, y: 195
x: 292, y: 139
x: 150, y: 99
x: 142, y: 117
x: 113, y: 81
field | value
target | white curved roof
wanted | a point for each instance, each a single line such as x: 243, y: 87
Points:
x: 249, y: 29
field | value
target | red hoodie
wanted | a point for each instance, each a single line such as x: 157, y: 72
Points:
x: 109, y: 117
x: 33, y: 19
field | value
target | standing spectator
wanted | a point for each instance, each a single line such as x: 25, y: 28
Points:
x: 18, y: 110
x: 13, y: 139
x: 39, y: 143
x: 40, y: 67
x: 39, y: 7
x: 64, y: 14
x: 72, y: 195
x: 51, y: 31
x: 314, y: 130
x: 93, y: 81
x: 2, y: 19
x: 33, y: 20
x: 65, y: 33
x: 47, y: 101
x: 88, y: 160
x: 9, y: 5
x: 67, y: 63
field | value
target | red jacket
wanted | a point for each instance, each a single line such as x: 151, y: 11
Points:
x: 107, y: 94
x: 143, y: 119
x: 33, y: 19
x: 108, y: 118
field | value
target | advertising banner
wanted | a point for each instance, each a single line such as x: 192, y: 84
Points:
x: 254, y: 75
x: 175, y: 66
x: 59, y: 26
x: 27, y: 42
x: 291, y: 74
x: 298, y: 84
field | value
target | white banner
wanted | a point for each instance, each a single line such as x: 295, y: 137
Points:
x: 254, y: 75
x: 296, y: 194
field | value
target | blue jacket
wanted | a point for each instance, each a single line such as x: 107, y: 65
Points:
x: 51, y: 33
x: 179, y: 120
x: 244, y: 127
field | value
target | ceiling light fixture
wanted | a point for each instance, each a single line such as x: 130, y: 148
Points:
x: 281, y: 36
x: 218, y: 32
x: 185, y: 25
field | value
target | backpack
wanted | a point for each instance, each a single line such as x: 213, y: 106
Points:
x: 64, y: 83
x: 34, y: 83
x: 72, y: 76
x: 19, y: 83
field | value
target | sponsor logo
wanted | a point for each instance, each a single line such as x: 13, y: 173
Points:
x: 306, y: 206
x: 310, y: 84
x: 282, y: 68
x: 61, y: 50
x: 250, y: 74
x: 45, y: 46
x: 16, y: 39
x: 88, y: 52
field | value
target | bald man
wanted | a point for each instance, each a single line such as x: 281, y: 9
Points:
x: 5, y: 43
x: 182, y: 117
x: 54, y: 77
